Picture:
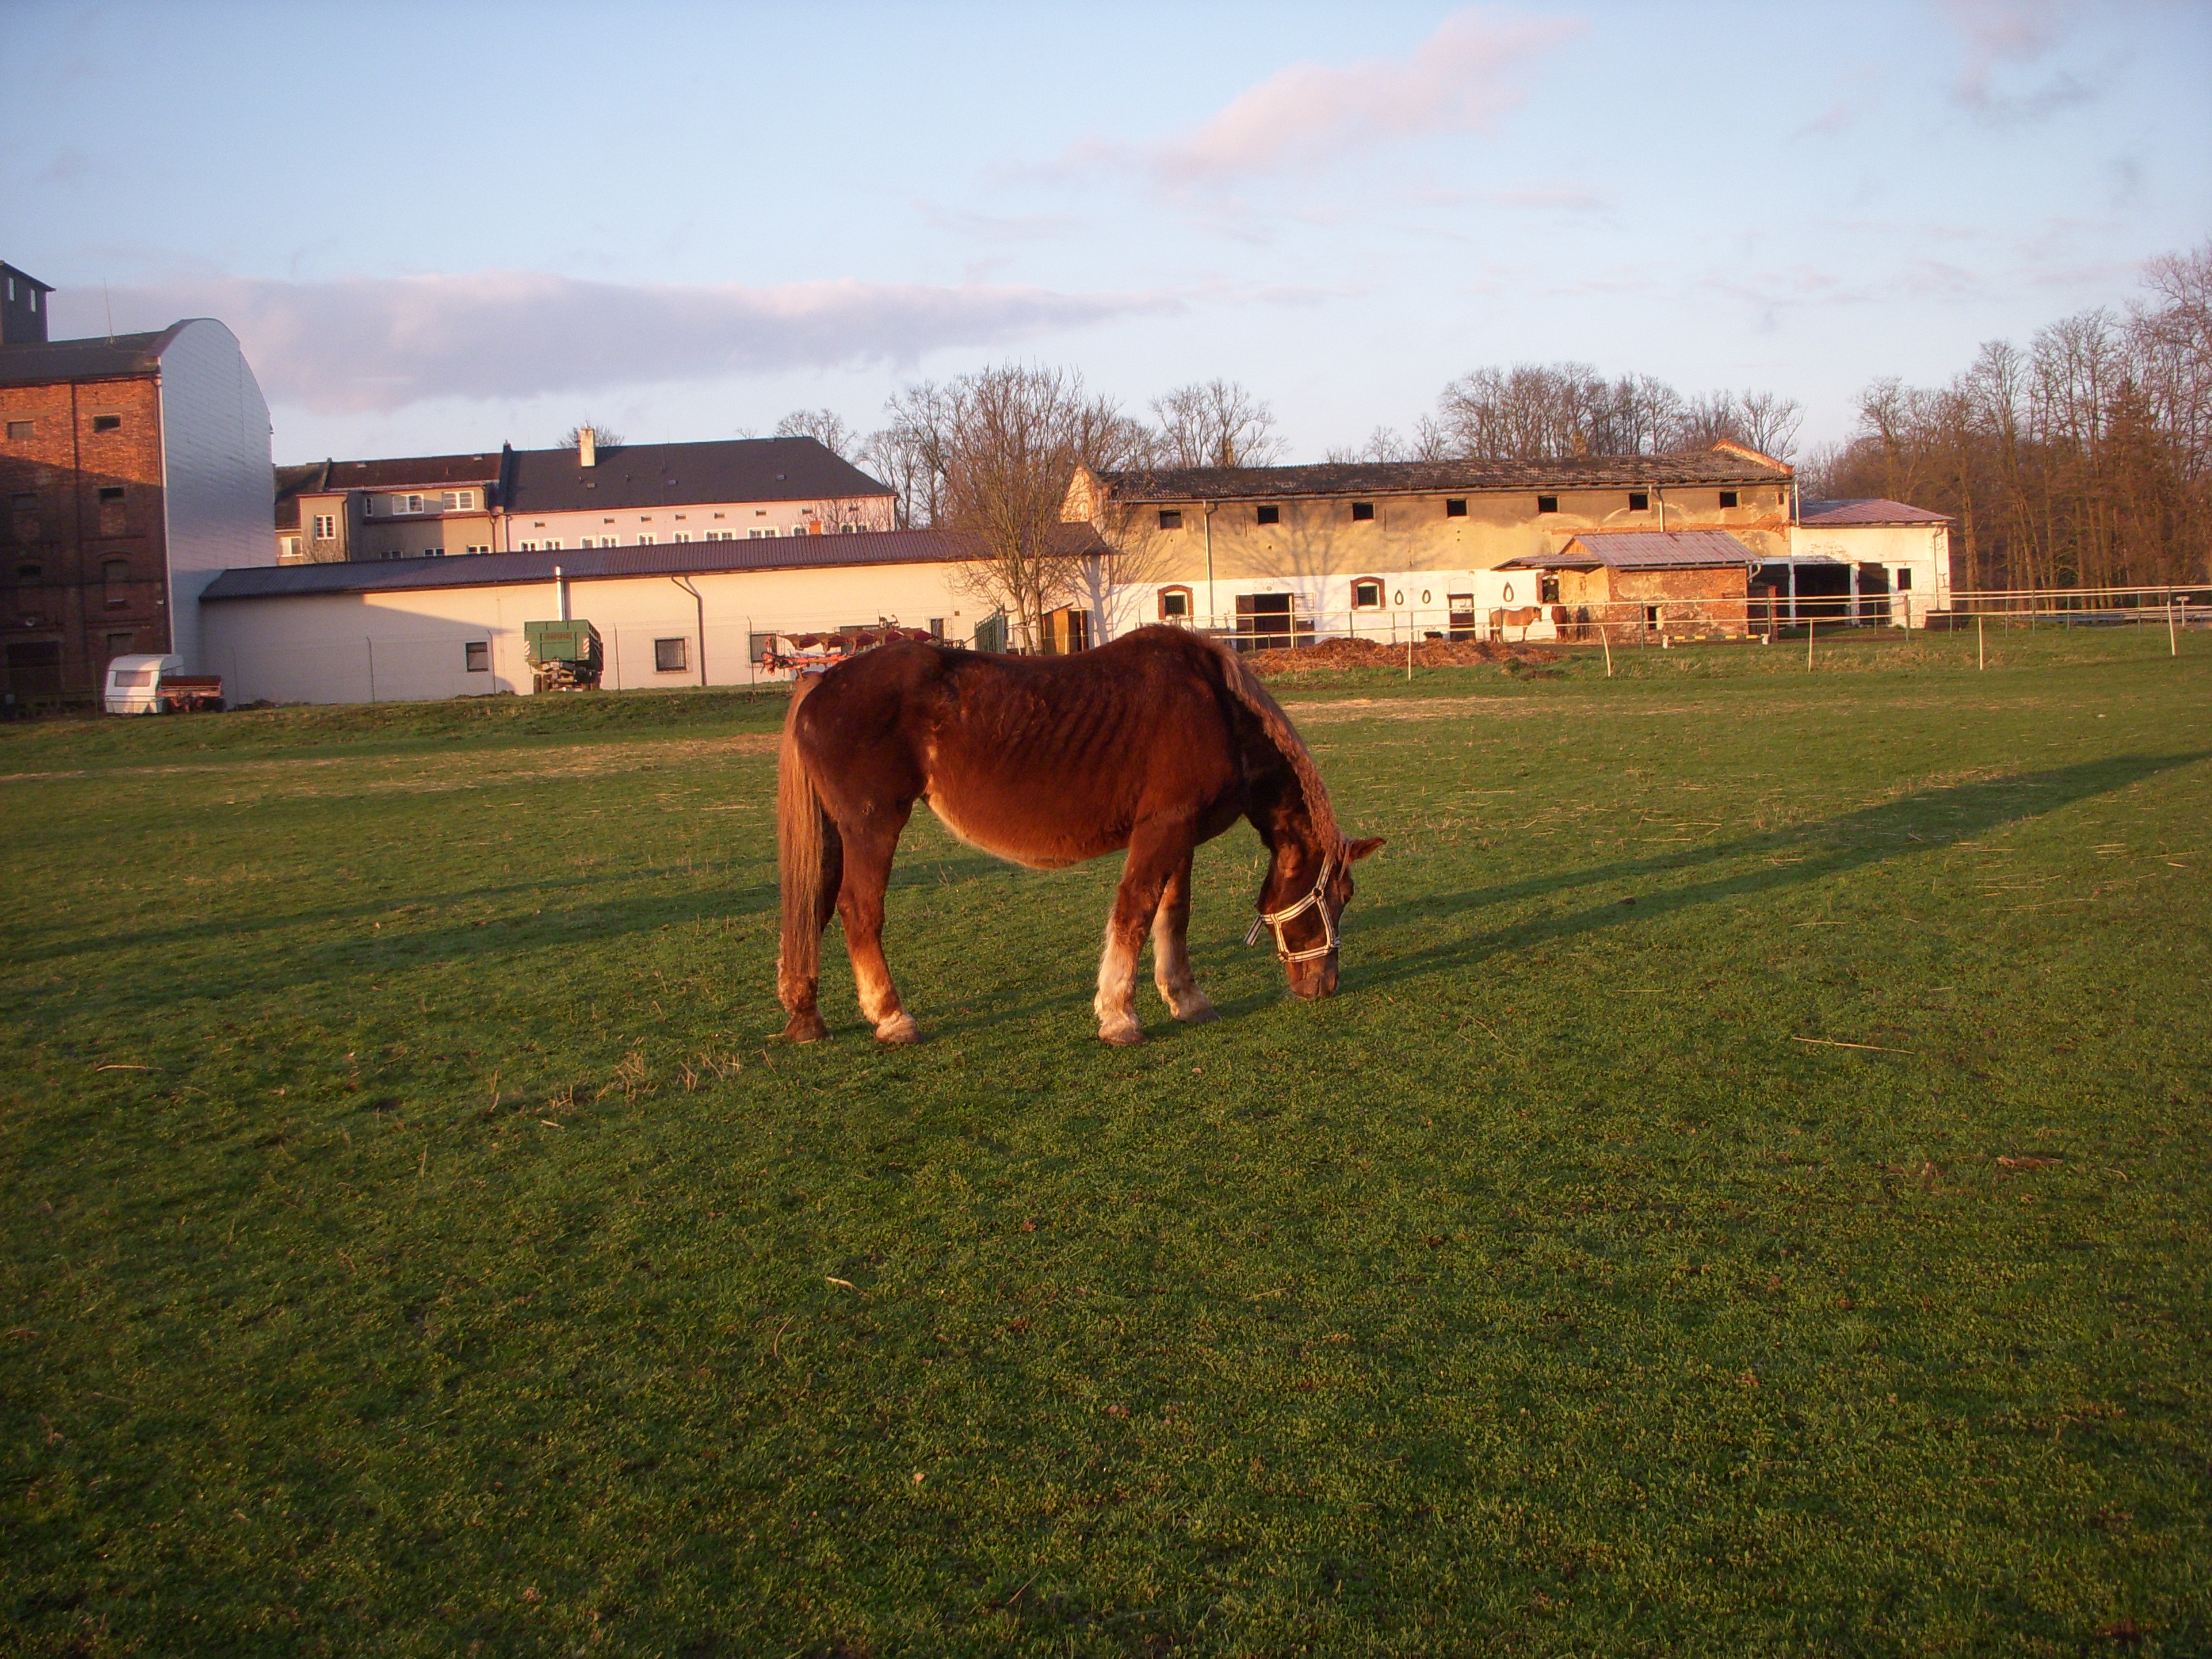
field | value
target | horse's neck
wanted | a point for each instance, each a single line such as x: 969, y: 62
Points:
x: 1285, y: 822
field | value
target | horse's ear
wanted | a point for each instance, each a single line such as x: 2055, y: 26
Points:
x: 1356, y: 850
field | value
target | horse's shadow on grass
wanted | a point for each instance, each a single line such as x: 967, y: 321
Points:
x: 1905, y: 829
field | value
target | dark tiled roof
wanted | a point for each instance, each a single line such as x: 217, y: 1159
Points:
x: 583, y: 564
x: 1641, y: 549
x: 1215, y: 484
x: 1872, y: 510
x: 99, y: 359
x: 290, y: 482
x: 405, y: 471
x: 680, y: 475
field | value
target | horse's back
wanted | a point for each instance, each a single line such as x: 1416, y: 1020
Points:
x: 1044, y: 760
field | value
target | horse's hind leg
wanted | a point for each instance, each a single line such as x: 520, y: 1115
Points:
x: 1152, y: 861
x: 1171, y: 950
x: 868, y: 851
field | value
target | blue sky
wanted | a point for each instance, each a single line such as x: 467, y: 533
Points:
x: 440, y: 227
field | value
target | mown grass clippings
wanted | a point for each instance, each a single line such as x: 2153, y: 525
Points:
x: 473, y: 1270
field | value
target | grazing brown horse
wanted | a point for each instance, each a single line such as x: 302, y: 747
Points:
x: 1155, y: 743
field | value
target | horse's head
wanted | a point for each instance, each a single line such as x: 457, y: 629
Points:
x: 1305, y: 895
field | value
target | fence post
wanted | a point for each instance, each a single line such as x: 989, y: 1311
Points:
x: 1812, y: 628
x: 2172, y: 648
x: 1981, y: 656
x: 1605, y: 634
x: 371, y: 644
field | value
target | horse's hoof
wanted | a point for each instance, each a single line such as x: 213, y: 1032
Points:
x: 805, y: 1027
x: 1122, y: 1037
x: 1198, y: 1010
x: 899, y: 1028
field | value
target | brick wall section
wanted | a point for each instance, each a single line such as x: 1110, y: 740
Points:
x: 63, y: 543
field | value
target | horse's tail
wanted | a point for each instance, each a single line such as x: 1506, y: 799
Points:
x: 801, y: 828
x: 1244, y: 685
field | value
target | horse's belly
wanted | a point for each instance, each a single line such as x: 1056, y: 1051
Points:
x: 1022, y: 836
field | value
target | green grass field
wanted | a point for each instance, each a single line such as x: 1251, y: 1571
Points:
x: 1750, y: 1196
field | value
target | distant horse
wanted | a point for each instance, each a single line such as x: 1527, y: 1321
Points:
x: 1155, y: 743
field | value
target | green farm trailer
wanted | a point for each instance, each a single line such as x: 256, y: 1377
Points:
x: 564, y: 656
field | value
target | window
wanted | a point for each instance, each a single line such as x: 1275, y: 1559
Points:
x: 119, y: 645
x: 683, y: 535
x: 718, y: 515
x: 644, y: 538
x: 476, y: 656
x: 473, y: 548
x: 288, y: 547
x: 1367, y: 594
x: 30, y: 573
x: 110, y: 494
x: 457, y: 501
x: 1547, y: 503
x: 26, y: 502
x: 327, y: 527
x: 1904, y: 581
x: 1362, y: 511
x: 679, y: 516
x: 1728, y: 498
x: 643, y: 518
x: 1456, y: 507
x: 406, y: 503
x: 761, y: 532
x: 1175, y: 604
x: 671, y: 656
x: 1639, y: 501
x: 112, y: 519
x: 107, y: 423
x: 606, y: 521
x: 847, y: 529
x: 1547, y: 590
x: 20, y: 428
x: 1267, y: 515
x: 433, y: 552
x: 1171, y: 518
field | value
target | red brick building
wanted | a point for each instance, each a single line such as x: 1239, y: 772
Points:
x: 132, y: 470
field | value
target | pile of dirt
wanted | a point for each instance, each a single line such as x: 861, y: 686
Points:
x: 1374, y: 653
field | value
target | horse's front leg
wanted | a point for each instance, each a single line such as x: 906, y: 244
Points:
x: 1152, y: 860
x: 1171, y: 950
x: 868, y: 853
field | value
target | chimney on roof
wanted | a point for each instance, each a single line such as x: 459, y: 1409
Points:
x: 23, y: 310
x: 587, y: 447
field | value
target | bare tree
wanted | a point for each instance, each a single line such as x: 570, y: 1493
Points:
x: 1013, y: 437
x: 825, y: 426
x: 1215, y: 423
x: 603, y: 436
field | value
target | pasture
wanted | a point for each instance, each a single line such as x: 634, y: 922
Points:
x: 1749, y: 1196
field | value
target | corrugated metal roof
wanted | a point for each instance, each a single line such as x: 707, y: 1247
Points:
x: 1215, y: 484
x: 1642, y: 549
x: 98, y: 359
x: 586, y: 564
x: 1872, y: 510
x: 682, y: 475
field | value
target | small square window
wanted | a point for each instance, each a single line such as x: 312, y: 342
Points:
x: 1547, y: 503
x: 1171, y: 518
x: 1362, y: 511
x: 476, y: 656
x: 1639, y: 501
x: 20, y: 428
x: 1174, y: 602
x: 110, y: 493
x: 1456, y: 507
x: 1267, y: 515
x: 1728, y: 498
x: 671, y: 656
x: 107, y: 423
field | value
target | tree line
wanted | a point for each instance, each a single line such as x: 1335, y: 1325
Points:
x: 2083, y: 460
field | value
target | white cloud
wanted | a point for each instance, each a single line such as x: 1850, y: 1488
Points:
x: 1461, y: 79
x: 372, y: 344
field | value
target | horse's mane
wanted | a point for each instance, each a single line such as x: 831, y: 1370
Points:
x: 1244, y: 685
